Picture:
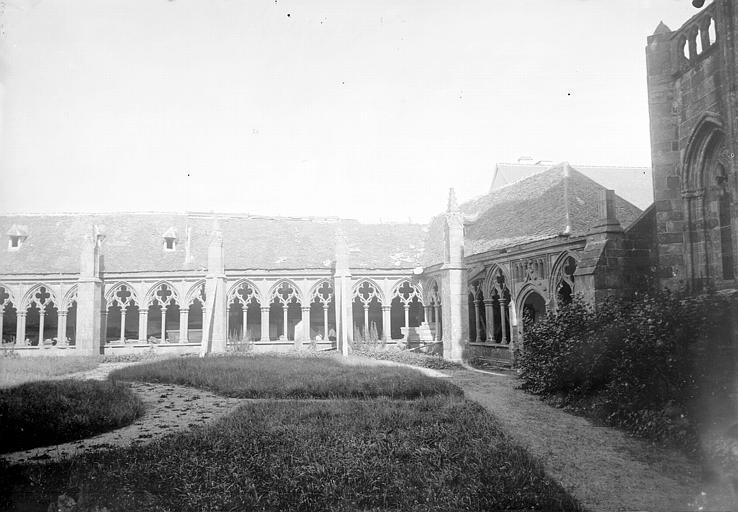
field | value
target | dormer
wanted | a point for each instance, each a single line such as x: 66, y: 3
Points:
x: 170, y: 239
x: 16, y: 236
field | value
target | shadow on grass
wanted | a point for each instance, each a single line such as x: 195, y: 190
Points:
x: 44, y: 413
x: 440, y: 453
x: 268, y: 376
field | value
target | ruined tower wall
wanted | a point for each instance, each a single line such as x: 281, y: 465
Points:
x: 691, y: 87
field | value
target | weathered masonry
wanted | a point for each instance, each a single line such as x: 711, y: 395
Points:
x: 531, y: 243
x: 692, y: 84
x: 143, y: 280
x: 464, y: 285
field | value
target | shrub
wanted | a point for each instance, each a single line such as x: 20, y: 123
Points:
x: 52, y: 412
x: 639, y: 362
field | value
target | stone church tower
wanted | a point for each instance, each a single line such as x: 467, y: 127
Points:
x: 692, y: 87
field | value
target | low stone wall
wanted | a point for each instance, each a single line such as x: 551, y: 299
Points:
x: 492, y: 352
x: 279, y: 346
x: 42, y: 350
x: 157, y: 348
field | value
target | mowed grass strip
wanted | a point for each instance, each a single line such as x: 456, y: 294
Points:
x: 16, y: 370
x: 433, y: 454
x: 45, y: 413
x: 269, y: 376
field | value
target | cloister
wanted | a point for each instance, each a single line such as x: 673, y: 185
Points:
x: 142, y: 313
x: 468, y: 284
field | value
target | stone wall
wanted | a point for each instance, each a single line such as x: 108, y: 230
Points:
x: 691, y: 73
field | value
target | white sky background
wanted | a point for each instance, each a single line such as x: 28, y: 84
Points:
x: 362, y: 109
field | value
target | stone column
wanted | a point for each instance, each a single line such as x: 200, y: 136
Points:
x: 41, y: 319
x: 305, y: 323
x: 264, y: 323
x: 490, y: 315
x: 503, y: 320
x: 325, y: 322
x: 427, y: 314
x: 436, y: 318
x: 454, y: 285
x: 366, y: 322
x: 61, y: 328
x: 122, y: 325
x: 285, y: 325
x: 184, y: 319
x: 477, y: 321
x: 163, y: 324
x: 215, y: 333
x: 386, y: 323
x: 20, y: 328
x: 244, y: 321
x: 2, y: 313
x: 104, y: 326
x: 342, y: 295
x: 143, y: 324
x: 89, y: 298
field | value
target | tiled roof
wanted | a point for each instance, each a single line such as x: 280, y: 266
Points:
x: 634, y: 184
x: 529, y: 210
x: 134, y: 242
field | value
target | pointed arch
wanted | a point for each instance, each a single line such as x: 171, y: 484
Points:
x: 285, y: 291
x: 526, y: 291
x: 356, y: 291
x: 151, y: 295
x: 6, y: 295
x: 406, y: 291
x: 322, y: 291
x: 562, y: 275
x: 31, y: 296
x: 432, y: 292
x: 496, y: 279
x: 195, y: 293
x: 111, y: 294
x: 707, y: 134
x: 251, y: 292
x: 69, y: 298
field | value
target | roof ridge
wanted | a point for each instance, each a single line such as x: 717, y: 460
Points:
x: 599, y: 166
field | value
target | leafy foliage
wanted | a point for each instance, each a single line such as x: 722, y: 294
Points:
x: 638, y: 362
x: 51, y: 412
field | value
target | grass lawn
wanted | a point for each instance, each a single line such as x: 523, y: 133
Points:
x: 431, y: 454
x: 16, y: 370
x: 269, y: 376
x: 51, y: 412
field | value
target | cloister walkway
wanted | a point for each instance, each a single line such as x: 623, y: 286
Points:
x: 605, y: 469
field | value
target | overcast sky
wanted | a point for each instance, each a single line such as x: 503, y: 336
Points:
x: 367, y: 109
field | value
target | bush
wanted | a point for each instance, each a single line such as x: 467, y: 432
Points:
x: 52, y: 412
x: 638, y: 363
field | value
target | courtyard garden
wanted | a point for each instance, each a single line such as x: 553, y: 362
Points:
x: 312, y: 433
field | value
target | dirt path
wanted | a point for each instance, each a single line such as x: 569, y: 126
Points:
x: 604, y: 468
x: 169, y: 408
